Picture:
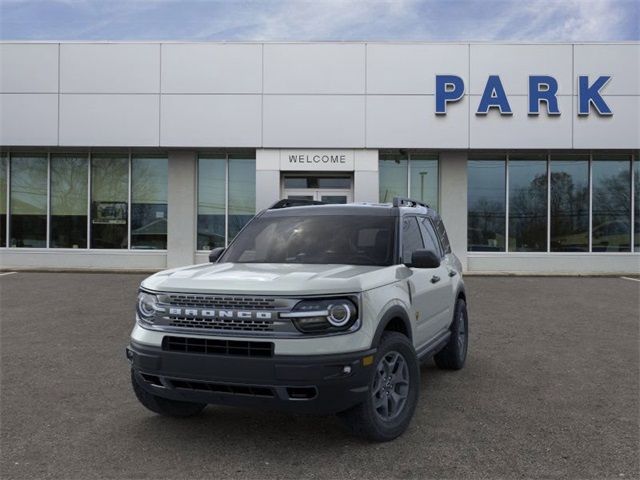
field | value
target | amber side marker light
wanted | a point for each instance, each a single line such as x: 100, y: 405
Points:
x: 368, y: 360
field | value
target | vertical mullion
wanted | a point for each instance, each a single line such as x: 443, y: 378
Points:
x: 7, y: 220
x: 506, y: 202
x: 590, y: 201
x: 409, y: 175
x: 548, y: 203
x: 89, y: 193
x: 226, y: 200
x: 129, y: 207
x: 633, y: 199
x: 48, y: 241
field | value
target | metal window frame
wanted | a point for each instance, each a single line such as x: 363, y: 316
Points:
x: 48, y: 231
x: 633, y: 202
x: 506, y: 203
x: 590, y: 249
x: 129, y: 206
x: 89, y: 193
x: 8, y: 198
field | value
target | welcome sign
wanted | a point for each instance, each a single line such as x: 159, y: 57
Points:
x: 326, y: 160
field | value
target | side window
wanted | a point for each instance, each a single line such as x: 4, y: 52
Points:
x: 430, y: 238
x: 411, y: 238
x: 442, y: 234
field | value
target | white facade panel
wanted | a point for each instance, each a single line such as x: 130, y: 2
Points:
x: 521, y: 130
x: 28, y: 119
x: 620, y: 130
x: 409, y: 121
x: 412, y: 69
x: 110, y: 68
x: 621, y: 62
x: 29, y: 68
x: 211, y: 68
x: 314, y: 121
x: 211, y: 120
x: 514, y: 64
x: 109, y: 120
x: 314, y: 68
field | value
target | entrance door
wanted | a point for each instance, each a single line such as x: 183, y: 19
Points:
x: 323, y: 189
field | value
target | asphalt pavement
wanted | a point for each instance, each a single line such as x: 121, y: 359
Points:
x: 550, y: 390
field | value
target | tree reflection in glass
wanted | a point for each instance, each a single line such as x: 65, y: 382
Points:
x: 68, y: 201
x: 486, y: 205
x: 569, y: 203
x: 527, y: 204
x: 28, y: 226
x: 109, y: 201
x: 611, y: 228
x: 149, y: 177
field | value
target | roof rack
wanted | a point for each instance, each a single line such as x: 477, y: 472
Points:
x: 407, y: 202
x: 294, y: 202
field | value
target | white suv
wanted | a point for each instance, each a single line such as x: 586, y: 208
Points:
x: 313, y: 309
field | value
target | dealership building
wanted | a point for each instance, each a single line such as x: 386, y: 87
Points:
x: 147, y: 155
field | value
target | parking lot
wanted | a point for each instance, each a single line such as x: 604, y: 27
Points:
x: 550, y: 390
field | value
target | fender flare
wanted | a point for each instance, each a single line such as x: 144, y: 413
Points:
x: 395, y: 311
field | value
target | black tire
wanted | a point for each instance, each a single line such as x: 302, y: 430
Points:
x: 366, y: 420
x: 164, y: 406
x: 454, y: 354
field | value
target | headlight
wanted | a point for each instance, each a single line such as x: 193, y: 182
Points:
x: 146, y: 306
x: 324, y: 315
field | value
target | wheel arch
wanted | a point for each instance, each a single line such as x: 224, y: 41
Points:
x: 396, y: 319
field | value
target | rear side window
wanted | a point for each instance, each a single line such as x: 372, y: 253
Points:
x: 430, y: 238
x: 442, y: 235
x: 411, y: 238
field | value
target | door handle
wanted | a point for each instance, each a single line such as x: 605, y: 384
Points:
x: 452, y: 273
x: 435, y: 279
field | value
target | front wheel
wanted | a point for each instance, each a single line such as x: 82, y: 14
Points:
x: 454, y: 353
x: 164, y: 406
x: 393, y: 392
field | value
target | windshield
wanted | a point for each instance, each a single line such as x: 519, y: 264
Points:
x: 324, y: 239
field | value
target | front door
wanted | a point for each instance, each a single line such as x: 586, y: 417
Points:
x: 336, y: 189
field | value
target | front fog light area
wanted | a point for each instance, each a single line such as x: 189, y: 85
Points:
x: 324, y: 316
x: 146, y: 306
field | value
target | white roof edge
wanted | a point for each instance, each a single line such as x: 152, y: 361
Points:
x: 313, y: 42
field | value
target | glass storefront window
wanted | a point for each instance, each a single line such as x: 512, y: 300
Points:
x: 3, y: 200
x: 28, y: 227
x: 611, y: 224
x: 527, y: 204
x: 211, y: 202
x: 242, y: 192
x: 424, y: 179
x: 109, y: 201
x: 569, y: 205
x: 68, y: 223
x: 149, y: 183
x: 486, y: 204
x: 392, y: 176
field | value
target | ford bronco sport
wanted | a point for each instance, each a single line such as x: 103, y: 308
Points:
x: 312, y: 308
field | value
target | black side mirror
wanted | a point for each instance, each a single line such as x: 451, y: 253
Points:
x: 424, y: 259
x: 214, y: 254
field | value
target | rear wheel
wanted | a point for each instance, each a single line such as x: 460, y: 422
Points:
x: 164, y: 406
x: 454, y: 354
x: 393, y: 392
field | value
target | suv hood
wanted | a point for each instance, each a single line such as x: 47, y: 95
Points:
x: 271, y: 278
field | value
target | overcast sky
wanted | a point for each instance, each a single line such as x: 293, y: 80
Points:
x: 272, y: 20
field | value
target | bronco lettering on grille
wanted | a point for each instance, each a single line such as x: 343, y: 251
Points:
x: 208, y: 313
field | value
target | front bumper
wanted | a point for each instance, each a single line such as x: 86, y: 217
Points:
x: 317, y: 384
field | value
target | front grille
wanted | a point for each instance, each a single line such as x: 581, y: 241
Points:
x: 253, y: 390
x: 217, y: 347
x: 242, y: 325
x: 221, y: 302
